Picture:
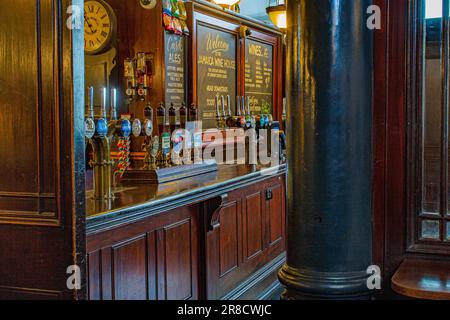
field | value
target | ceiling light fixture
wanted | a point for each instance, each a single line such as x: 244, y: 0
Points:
x: 277, y: 13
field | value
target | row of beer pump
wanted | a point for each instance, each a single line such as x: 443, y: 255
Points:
x: 101, y: 132
x: 243, y: 117
x: 161, y: 151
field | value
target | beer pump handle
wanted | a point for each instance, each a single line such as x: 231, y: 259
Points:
x: 248, y: 106
x: 229, y: 106
x: 113, y: 98
x: 217, y: 107
x: 238, y: 105
x: 103, y: 106
x: 91, y: 102
x: 243, y: 105
x: 222, y: 100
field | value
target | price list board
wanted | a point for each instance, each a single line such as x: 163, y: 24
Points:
x: 216, y: 70
x: 259, y: 76
x: 175, y: 60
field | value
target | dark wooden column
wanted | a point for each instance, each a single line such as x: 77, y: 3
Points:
x: 329, y: 83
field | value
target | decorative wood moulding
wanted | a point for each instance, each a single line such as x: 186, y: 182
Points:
x: 30, y: 122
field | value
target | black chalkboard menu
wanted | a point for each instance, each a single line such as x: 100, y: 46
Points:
x: 175, y: 60
x: 259, y: 76
x: 216, y: 70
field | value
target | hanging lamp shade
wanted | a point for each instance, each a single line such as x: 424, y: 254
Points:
x: 226, y: 3
x: 277, y: 14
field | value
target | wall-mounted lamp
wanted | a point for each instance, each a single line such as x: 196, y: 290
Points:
x: 226, y: 3
x: 277, y: 13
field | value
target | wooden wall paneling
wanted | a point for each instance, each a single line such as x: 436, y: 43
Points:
x: 41, y: 208
x: 253, y: 224
x: 229, y: 239
x: 396, y: 137
x: 178, y: 261
x: 94, y: 275
x: 275, y: 215
x: 107, y: 281
x: 29, y: 107
x: 379, y: 141
x: 152, y: 268
x: 237, y: 248
x: 390, y: 131
x: 211, y: 211
x: 154, y: 259
x: 124, y: 271
x: 191, y: 46
x: 129, y: 265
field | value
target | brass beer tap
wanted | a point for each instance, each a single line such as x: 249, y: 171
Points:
x: 105, y: 131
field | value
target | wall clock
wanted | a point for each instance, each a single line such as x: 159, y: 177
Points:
x: 99, y: 26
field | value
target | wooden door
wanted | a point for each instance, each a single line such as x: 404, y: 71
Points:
x: 42, y: 148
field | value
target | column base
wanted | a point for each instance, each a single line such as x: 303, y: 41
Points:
x: 303, y: 284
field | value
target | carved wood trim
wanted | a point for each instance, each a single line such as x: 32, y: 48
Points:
x: 214, y: 208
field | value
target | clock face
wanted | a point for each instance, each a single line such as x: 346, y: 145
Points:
x: 98, y: 26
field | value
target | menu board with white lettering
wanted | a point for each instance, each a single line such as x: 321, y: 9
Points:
x: 175, y: 60
x: 216, y: 71
x: 259, y: 76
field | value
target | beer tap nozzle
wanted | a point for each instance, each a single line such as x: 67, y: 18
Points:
x: 224, y: 113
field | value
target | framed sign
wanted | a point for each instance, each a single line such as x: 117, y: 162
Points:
x: 175, y: 71
x: 216, y: 70
x: 259, y: 82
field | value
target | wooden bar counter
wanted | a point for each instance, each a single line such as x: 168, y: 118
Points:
x: 220, y: 236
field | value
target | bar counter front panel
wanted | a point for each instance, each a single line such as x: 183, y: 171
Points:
x: 219, y: 236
